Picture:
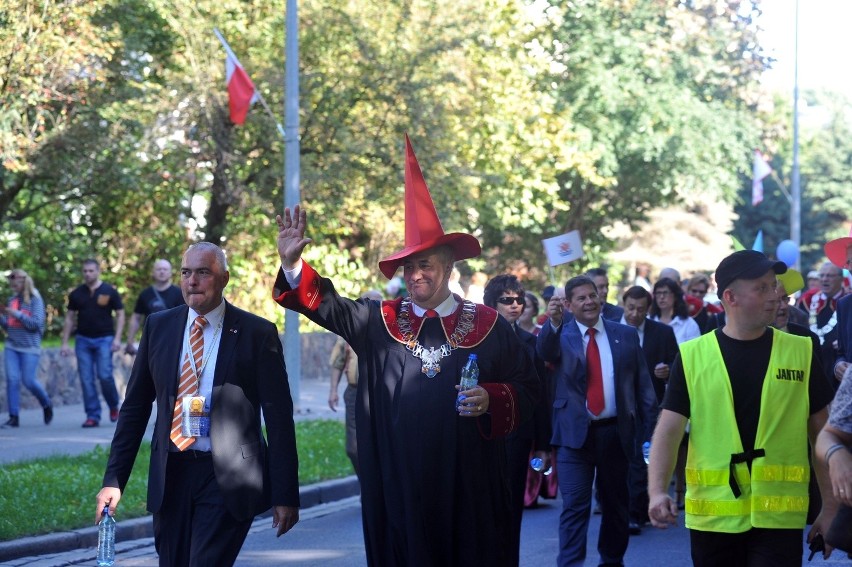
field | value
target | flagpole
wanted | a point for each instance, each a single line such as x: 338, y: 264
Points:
x: 292, y: 340
x: 230, y: 53
x: 796, y: 204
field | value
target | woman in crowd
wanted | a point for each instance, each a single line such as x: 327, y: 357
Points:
x: 527, y: 319
x: 669, y: 307
x: 506, y: 294
x: 23, y: 319
x: 834, y: 447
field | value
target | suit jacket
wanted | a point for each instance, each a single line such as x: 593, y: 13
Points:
x: 634, y: 394
x: 249, y: 376
x: 612, y: 312
x: 844, y: 334
x: 659, y: 345
x: 539, y: 425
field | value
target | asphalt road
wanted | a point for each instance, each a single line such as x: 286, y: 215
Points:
x: 330, y: 534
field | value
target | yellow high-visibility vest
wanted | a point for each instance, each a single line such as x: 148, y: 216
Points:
x: 774, y: 494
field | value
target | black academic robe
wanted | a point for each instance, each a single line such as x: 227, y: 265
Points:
x: 434, y: 487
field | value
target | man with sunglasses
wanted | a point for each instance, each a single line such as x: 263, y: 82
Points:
x: 839, y: 251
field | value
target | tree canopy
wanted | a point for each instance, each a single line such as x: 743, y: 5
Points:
x: 529, y: 118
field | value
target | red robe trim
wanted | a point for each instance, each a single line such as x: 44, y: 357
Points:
x: 483, y: 322
x: 807, y: 297
x: 503, y: 409
x: 306, y: 295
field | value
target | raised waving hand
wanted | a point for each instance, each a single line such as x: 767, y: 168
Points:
x: 291, y: 236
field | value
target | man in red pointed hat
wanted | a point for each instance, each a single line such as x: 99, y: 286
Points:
x: 839, y: 251
x: 433, y: 477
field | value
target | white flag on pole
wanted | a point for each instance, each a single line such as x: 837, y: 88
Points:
x: 563, y: 248
x: 760, y: 169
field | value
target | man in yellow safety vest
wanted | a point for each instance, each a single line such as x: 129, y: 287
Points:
x: 754, y: 397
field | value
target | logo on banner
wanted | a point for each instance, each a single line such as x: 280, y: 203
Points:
x: 563, y: 248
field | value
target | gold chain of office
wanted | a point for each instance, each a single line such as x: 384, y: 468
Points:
x: 431, y: 356
x: 821, y: 332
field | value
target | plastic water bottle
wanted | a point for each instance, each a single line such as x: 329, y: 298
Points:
x: 537, y: 465
x: 106, y: 539
x: 469, y: 379
x: 646, y: 451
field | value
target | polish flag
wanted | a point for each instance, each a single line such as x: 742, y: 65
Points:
x: 760, y: 169
x: 241, y: 91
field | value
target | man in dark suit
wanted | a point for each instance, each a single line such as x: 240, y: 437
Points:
x: 207, y: 483
x: 660, y: 347
x: 844, y: 336
x: 609, y: 311
x: 839, y: 251
x: 603, y: 389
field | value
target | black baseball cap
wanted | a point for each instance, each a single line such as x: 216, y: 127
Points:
x: 745, y: 265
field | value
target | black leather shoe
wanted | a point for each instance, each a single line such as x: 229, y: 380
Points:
x: 634, y: 529
x: 13, y: 421
x: 48, y: 415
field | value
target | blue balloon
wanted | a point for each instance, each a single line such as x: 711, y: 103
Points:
x: 787, y: 252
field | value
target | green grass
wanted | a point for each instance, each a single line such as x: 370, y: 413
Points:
x: 58, y: 493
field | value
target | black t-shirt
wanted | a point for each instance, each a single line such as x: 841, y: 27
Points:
x: 149, y: 302
x: 746, y: 362
x: 94, y: 310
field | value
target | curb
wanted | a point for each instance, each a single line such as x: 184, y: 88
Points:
x: 138, y: 528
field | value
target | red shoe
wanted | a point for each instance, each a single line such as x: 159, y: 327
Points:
x: 90, y: 423
x: 113, y: 415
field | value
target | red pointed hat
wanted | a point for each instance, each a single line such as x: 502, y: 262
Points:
x: 423, y: 229
x: 836, y: 249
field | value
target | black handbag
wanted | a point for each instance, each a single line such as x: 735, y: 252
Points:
x: 839, y: 534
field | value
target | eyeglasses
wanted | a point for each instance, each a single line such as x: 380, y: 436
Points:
x: 511, y: 300
x: 662, y: 293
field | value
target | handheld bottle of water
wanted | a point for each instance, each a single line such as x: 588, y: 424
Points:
x: 469, y: 379
x: 537, y: 465
x: 106, y: 539
x: 646, y: 451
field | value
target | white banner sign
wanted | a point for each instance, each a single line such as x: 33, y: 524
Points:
x: 563, y: 248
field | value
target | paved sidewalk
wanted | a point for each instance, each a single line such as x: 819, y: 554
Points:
x: 66, y: 436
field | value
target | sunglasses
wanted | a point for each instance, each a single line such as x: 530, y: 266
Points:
x: 511, y: 300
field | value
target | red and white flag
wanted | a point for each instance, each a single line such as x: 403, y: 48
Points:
x: 241, y: 91
x: 759, y: 170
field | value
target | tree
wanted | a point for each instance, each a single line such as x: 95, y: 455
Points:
x: 658, y: 97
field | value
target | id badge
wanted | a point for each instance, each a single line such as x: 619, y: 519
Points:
x: 195, y: 417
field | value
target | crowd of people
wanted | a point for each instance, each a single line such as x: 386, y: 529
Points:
x: 725, y: 397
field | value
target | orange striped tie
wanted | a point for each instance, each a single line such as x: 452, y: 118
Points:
x: 188, y: 385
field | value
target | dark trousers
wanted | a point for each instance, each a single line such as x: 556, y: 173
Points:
x: 193, y: 527
x: 602, y: 453
x: 638, y: 482
x: 349, y: 395
x: 758, y: 547
x: 518, y: 457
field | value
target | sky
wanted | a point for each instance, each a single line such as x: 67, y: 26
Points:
x: 825, y: 39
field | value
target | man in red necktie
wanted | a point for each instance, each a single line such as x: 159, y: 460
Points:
x: 602, y: 387
x: 433, y: 478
